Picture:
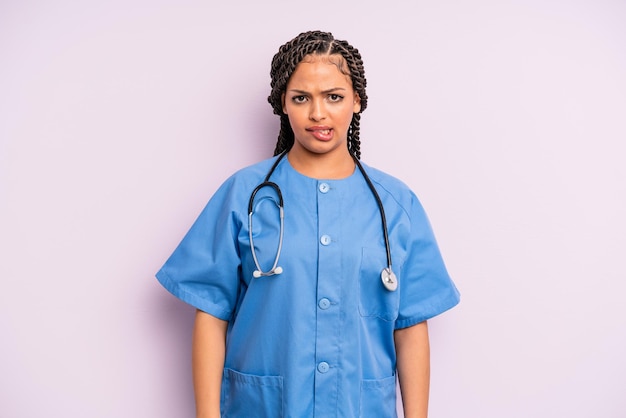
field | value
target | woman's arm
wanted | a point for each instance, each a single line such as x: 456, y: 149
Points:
x: 207, y: 357
x: 413, y: 354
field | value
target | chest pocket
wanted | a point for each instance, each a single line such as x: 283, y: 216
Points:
x: 378, y: 398
x: 245, y: 395
x: 374, y: 299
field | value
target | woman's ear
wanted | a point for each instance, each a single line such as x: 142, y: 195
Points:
x: 357, y: 103
x: 282, y: 101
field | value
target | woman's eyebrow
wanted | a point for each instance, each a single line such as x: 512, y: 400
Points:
x: 298, y: 91
x: 333, y: 89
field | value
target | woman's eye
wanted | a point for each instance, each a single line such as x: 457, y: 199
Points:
x: 335, y: 97
x: 299, y: 99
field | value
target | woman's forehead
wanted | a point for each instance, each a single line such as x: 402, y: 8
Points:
x: 319, y: 74
x: 336, y: 59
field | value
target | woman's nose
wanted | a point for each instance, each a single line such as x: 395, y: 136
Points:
x: 318, y: 112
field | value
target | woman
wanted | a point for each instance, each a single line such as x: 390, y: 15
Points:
x: 307, y: 316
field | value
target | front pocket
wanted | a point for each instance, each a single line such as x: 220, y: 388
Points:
x: 374, y: 299
x: 378, y: 398
x: 246, y: 395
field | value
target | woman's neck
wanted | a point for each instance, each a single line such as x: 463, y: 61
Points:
x: 332, y: 166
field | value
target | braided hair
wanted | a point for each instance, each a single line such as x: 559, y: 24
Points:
x: 284, y: 64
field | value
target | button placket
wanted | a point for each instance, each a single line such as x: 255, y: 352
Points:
x: 328, y: 333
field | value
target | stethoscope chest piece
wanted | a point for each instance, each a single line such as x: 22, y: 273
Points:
x: 390, y: 281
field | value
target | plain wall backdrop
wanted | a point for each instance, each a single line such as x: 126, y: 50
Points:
x: 119, y: 119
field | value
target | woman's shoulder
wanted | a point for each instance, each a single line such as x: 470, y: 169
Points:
x: 239, y: 184
x: 394, y: 188
x: 254, y: 173
x: 388, y: 182
x: 257, y: 169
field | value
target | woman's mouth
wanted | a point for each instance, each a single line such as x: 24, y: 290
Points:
x: 321, y: 133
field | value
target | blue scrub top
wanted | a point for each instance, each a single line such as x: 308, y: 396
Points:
x: 316, y: 340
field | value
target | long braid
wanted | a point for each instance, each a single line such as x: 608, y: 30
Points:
x: 357, y: 74
x: 354, y: 141
x: 284, y: 64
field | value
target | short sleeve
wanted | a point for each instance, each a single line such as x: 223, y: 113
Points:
x: 204, y: 270
x: 426, y: 289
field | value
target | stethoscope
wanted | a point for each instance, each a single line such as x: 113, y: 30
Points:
x: 387, y: 275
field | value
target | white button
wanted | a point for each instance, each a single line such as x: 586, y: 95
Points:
x: 325, y: 239
x: 324, y: 187
x: 324, y: 303
x: 323, y: 367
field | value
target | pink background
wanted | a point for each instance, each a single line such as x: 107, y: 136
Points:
x: 119, y: 119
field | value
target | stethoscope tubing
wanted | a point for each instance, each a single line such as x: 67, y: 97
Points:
x: 381, y: 209
x: 387, y: 275
x: 275, y: 269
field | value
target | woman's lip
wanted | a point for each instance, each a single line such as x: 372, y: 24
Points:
x: 322, y: 133
x: 319, y: 128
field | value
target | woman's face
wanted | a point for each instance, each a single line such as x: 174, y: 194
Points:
x: 319, y: 101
